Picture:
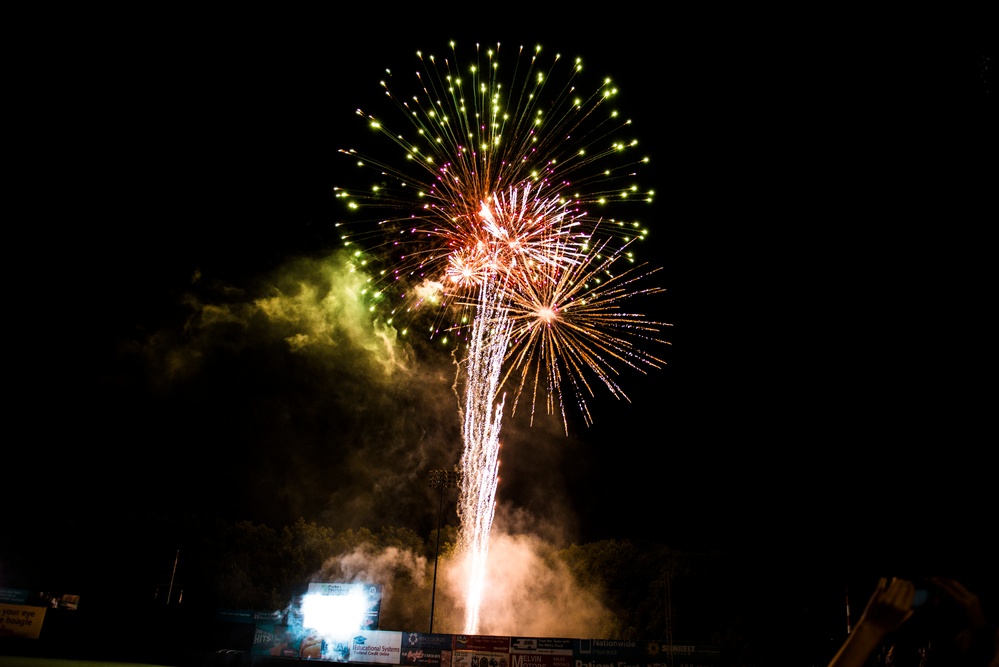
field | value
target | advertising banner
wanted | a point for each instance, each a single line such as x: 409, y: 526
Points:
x: 662, y: 654
x: 277, y: 639
x: 17, y: 620
x: 610, y: 647
x: 481, y: 651
x: 481, y: 643
x: 426, y: 650
x: 614, y: 653
x: 49, y: 599
x: 541, y: 645
x: 541, y: 660
x: 292, y: 634
x: 13, y: 596
x: 377, y: 646
x: 234, y: 615
x: 365, y: 646
x: 540, y: 652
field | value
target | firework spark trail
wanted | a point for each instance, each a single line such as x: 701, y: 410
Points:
x: 487, y: 222
x: 571, y: 318
x: 483, y: 416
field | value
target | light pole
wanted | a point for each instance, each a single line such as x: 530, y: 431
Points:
x: 172, y: 575
x: 440, y: 479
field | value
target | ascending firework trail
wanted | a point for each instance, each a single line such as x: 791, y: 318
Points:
x: 485, y: 225
x: 483, y: 416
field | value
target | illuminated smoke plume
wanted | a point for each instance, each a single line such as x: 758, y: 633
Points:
x: 528, y: 592
x: 313, y: 406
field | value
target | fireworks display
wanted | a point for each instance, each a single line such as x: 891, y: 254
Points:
x: 493, y: 222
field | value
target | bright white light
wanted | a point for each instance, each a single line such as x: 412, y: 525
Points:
x: 335, y: 615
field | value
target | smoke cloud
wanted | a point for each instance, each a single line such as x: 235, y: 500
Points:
x: 529, y: 590
x: 299, y: 394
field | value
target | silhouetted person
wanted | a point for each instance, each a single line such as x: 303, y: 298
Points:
x: 948, y: 627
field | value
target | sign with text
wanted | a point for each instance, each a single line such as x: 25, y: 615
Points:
x: 541, y: 645
x: 540, y: 652
x: 540, y: 660
x: 378, y: 646
x: 290, y: 634
x: 421, y: 649
x: 17, y: 620
x: 481, y: 643
x: 481, y: 651
x: 614, y: 653
x: 13, y: 596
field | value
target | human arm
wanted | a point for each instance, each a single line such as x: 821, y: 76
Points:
x: 967, y: 600
x: 888, y: 607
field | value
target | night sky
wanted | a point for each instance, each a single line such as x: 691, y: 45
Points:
x: 819, y: 223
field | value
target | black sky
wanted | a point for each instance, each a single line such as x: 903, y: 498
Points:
x: 819, y: 221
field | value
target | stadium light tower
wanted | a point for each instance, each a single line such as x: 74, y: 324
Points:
x: 440, y: 479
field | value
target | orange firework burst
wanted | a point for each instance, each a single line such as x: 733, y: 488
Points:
x: 569, y: 325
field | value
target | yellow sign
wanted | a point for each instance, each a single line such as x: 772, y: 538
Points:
x: 21, y: 620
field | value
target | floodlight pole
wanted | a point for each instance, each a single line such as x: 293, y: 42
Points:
x: 440, y: 479
x: 172, y: 575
